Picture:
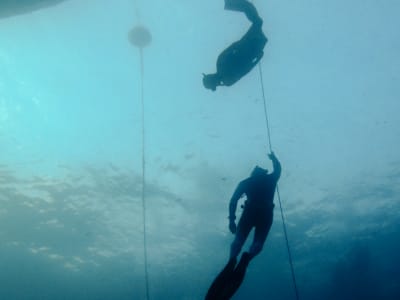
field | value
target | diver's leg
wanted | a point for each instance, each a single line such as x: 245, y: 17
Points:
x: 260, y: 235
x: 237, y: 277
x: 242, y: 232
x: 223, y: 282
x: 246, y: 7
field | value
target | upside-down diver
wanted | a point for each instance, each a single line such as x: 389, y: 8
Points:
x: 240, y: 57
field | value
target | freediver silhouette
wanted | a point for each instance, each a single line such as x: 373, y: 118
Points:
x: 259, y: 189
x: 240, y: 57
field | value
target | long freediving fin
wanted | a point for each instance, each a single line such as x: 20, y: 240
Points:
x: 220, y: 282
x: 229, y: 280
x: 237, y: 278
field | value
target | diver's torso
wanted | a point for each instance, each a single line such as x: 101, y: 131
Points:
x: 238, y: 59
x: 260, y: 194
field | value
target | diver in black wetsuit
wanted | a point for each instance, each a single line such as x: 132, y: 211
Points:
x: 258, y: 209
x: 240, y: 57
x: 258, y: 214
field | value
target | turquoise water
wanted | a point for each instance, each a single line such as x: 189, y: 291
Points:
x: 71, y: 222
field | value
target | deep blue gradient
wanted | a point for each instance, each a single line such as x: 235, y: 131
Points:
x: 70, y: 149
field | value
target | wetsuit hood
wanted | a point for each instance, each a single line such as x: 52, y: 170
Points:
x: 210, y: 81
x: 258, y: 171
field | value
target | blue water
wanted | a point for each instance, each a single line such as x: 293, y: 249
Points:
x: 71, y: 223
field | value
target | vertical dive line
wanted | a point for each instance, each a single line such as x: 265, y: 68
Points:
x: 136, y: 9
x: 144, y: 175
x: 287, y: 245
x: 265, y: 107
x: 277, y: 186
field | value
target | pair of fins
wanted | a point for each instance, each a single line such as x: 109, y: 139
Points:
x: 229, y: 280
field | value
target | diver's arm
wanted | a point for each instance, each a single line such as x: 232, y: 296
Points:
x: 234, y: 200
x: 277, y: 166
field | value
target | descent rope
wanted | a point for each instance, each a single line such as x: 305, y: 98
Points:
x: 144, y: 176
x: 277, y: 187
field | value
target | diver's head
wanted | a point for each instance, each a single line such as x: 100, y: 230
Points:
x: 210, y: 81
x: 258, y: 171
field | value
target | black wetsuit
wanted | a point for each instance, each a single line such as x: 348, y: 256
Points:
x: 258, y: 209
x: 240, y: 57
x: 258, y: 213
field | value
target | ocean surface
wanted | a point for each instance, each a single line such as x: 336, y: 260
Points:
x: 73, y: 149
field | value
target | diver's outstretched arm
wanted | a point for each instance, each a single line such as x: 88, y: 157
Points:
x: 276, y: 164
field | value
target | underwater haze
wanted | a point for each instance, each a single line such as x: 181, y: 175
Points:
x: 71, y: 214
